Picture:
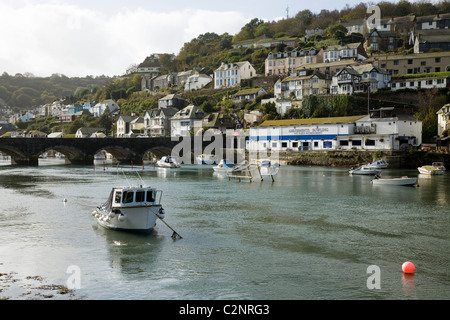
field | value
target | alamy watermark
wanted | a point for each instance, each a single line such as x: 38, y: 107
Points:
x: 374, y: 20
x: 374, y: 280
x: 74, y: 280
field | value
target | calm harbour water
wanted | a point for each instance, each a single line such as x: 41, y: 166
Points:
x: 311, y: 234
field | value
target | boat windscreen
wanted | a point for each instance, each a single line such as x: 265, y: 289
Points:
x: 108, y: 204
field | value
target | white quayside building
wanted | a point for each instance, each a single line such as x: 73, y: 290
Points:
x: 383, y: 129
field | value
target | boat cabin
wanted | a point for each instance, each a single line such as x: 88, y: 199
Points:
x: 138, y: 196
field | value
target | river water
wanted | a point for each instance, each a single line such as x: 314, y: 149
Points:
x: 312, y: 234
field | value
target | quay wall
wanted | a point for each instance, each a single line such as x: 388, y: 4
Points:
x: 353, y: 158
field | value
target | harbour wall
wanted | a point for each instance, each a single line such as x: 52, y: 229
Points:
x: 353, y: 158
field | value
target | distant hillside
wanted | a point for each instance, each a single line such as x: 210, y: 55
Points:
x: 22, y: 92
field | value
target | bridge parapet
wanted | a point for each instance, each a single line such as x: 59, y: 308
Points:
x: 26, y: 151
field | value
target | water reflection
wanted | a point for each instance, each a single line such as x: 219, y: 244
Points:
x: 131, y: 253
x: 409, y: 285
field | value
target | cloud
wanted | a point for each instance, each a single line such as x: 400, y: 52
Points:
x: 58, y: 38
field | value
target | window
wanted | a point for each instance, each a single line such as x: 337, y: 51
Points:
x: 150, y: 196
x: 118, y: 197
x: 343, y: 143
x: 284, y: 144
x: 140, y: 196
x: 128, y: 196
x: 437, y: 60
x: 423, y: 63
x: 395, y: 62
x: 370, y: 142
x: 356, y: 142
x: 410, y: 61
x: 437, y: 69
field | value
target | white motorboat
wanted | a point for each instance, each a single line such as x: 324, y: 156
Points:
x: 430, y: 170
x: 168, y: 162
x: 223, y: 167
x: 364, y: 170
x: 402, y: 181
x: 206, y: 159
x: 133, y: 208
x: 267, y: 168
x: 379, y: 164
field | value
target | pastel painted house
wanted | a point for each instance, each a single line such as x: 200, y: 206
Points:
x: 231, y: 74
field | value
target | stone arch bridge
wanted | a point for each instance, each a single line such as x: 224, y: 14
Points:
x: 26, y: 151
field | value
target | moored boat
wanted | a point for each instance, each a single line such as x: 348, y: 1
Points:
x: 402, y: 181
x: 364, y: 170
x: 430, y: 170
x: 168, y: 162
x: 379, y: 164
x: 132, y: 208
x: 267, y: 168
x: 223, y: 167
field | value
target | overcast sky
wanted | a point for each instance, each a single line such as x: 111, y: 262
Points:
x: 105, y: 37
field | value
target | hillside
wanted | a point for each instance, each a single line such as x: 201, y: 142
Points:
x: 25, y: 91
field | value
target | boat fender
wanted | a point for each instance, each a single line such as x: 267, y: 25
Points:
x: 121, y: 217
x: 161, y: 212
x: 112, y: 214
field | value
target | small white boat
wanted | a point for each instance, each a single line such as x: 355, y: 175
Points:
x: 402, y: 181
x: 168, y: 162
x: 379, y: 164
x: 131, y: 208
x: 206, y: 159
x: 364, y: 170
x: 223, y: 167
x: 267, y: 168
x: 430, y: 170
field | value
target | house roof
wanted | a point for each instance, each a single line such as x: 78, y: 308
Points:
x: 171, y: 97
x: 299, y: 122
x: 89, y: 131
x: 249, y: 91
x: 190, y: 112
x: 342, y: 47
x: 127, y: 118
x: 216, y: 120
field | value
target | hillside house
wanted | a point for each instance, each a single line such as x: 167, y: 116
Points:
x: 444, y: 120
x: 218, y: 121
x: 306, y: 83
x: 85, y: 132
x: 197, y: 81
x: 157, y: 122
x: 248, y: 94
x: 357, y: 79
x: 353, y: 51
x: 382, y: 41
x: 421, y: 81
x: 98, y: 109
x: 231, y: 74
x: 172, y: 101
x: 284, y: 63
x: 185, y: 120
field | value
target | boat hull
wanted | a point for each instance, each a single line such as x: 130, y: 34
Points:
x: 396, y: 182
x: 430, y: 170
x: 136, y: 219
x: 364, y: 172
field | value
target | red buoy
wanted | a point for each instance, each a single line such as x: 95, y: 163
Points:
x: 408, y: 267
